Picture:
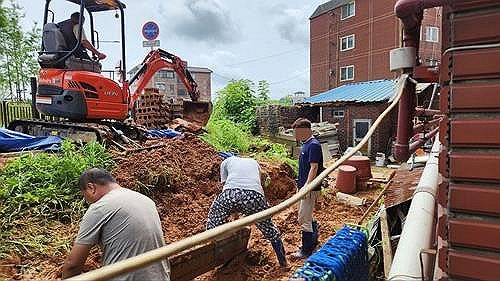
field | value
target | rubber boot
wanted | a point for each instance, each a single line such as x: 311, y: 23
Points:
x: 306, y: 249
x: 280, y: 252
x: 315, y: 226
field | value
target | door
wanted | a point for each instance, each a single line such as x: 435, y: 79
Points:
x: 360, y: 129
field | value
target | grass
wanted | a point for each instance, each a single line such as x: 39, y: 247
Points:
x: 39, y: 199
x: 225, y: 135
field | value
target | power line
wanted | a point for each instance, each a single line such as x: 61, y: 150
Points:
x: 227, y: 79
x: 289, y: 78
x: 266, y: 57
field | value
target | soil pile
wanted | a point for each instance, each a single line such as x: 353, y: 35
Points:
x: 182, y: 177
x: 278, y: 181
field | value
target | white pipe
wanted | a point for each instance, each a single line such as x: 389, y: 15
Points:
x: 320, y: 114
x: 418, y: 230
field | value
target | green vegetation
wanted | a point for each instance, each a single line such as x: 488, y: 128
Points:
x: 42, y: 189
x: 233, y: 123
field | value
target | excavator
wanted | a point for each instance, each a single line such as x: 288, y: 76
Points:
x: 87, y: 104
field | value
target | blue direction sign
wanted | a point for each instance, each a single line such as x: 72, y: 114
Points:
x: 150, y: 30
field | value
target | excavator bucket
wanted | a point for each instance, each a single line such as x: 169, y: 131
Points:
x: 197, y: 112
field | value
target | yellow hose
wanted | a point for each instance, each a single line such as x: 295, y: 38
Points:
x: 142, y: 260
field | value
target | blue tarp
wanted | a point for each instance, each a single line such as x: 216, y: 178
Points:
x: 167, y: 133
x: 11, y: 141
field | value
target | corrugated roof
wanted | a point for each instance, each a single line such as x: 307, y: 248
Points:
x: 328, y: 6
x: 369, y: 91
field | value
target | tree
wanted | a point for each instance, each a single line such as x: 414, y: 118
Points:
x: 236, y: 102
x: 286, y: 100
x: 17, y: 52
x: 263, y: 91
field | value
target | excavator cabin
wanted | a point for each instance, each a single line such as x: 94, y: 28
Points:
x: 73, y: 87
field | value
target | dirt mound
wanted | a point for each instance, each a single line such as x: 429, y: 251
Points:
x: 182, y: 164
x: 279, y: 181
x: 182, y: 178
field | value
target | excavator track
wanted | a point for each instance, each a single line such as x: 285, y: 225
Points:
x: 100, y: 131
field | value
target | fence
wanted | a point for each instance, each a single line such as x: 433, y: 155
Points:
x: 11, y: 110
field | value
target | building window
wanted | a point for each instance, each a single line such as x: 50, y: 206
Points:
x: 431, y: 34
x: 347, y: 42
x: 348, y: 10
x: 161, y: 86
x: 338, y: 114
x: 181, y: 92
x: 166, y: 74
x: 432, y: 62
x: 347, y: 73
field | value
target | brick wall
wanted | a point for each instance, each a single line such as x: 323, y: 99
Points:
x: 271, y: 117
x: 382, y: 136
x: 376, y: 30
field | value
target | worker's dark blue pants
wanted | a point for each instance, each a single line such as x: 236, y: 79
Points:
x: 243, y: 201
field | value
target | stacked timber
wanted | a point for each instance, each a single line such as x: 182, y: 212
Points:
x: 325, y: 132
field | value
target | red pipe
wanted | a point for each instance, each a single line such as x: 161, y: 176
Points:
x: 411, y: 13
x: 418, y: 143
x: 405, y: 114
x: 418, y: 128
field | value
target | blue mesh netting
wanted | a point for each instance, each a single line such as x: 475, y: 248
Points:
x: 343, y: 258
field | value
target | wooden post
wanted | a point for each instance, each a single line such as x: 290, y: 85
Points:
x: 386, y: 242
x: 194, y: 262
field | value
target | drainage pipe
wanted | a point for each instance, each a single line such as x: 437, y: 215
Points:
x: 419, y: 127
x: 418, y: 143
x: 418, y: 232
x: 405, y: 123
x: 410, y: 12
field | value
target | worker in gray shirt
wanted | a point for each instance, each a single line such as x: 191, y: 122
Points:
x: 243, y: 193
x: 122, y: 222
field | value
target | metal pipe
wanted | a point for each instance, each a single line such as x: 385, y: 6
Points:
x: 418, y: 128
x: 405, y: 115
x: 418, y: 143
x: 417, y: 233
x: 410, y: 12
x: 434, y: 92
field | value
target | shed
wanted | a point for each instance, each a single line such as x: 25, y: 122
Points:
x: 355, y: 107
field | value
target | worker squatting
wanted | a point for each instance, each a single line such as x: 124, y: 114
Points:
x: 126, y: 223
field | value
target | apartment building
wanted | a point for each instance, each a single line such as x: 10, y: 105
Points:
x: 350, y: 41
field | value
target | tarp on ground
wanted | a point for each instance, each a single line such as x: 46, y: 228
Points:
x: 167, y: 133
x: 11, y: 141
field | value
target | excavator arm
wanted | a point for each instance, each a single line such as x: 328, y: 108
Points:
x: 155, y: 61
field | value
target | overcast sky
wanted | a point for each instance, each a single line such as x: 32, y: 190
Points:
x: 258, y: 39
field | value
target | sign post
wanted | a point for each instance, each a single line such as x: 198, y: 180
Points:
x: 150, y: 31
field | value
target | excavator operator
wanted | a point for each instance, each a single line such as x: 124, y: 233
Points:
x: 69, y: 29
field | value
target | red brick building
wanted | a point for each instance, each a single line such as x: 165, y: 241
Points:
x: 168, y: 83
x: 350, y: 41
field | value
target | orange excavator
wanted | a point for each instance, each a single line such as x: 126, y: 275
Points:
x: 90, y: 105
